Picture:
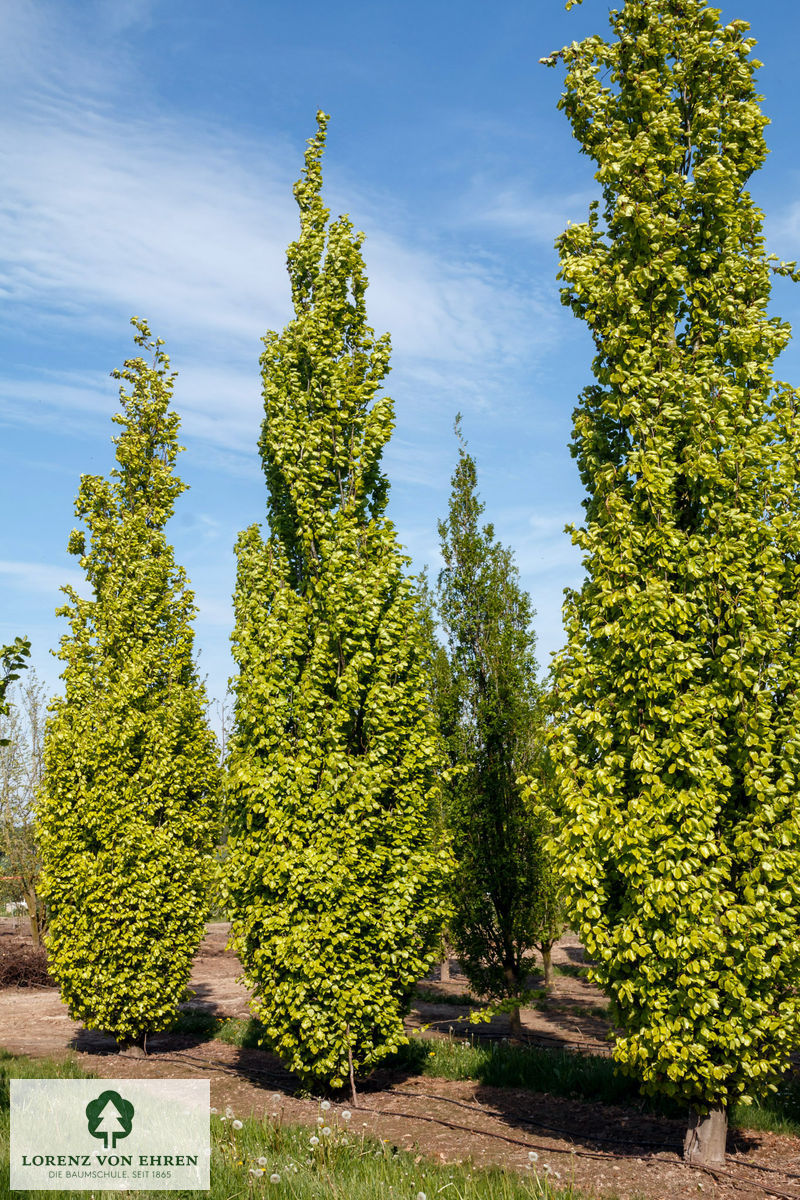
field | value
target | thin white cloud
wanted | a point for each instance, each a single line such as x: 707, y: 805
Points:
x: 214, y: 611
x: 103, y: 214
x: 100, y: 217
x: 41, y: 578
x: 535, y: 218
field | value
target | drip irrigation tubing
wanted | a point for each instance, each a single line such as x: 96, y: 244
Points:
x: 589, y: 1137
x: 544, y: 1040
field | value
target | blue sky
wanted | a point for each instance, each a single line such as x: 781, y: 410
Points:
x: 149, y: 149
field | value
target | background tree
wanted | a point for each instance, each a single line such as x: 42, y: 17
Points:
x: 678, y: 738
x: 12, y: 661
x: 336, y: 885
x: 127, y: 816
x: 491, y: 717
x: 21, y: 746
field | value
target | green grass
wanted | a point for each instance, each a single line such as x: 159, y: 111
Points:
x: 539, y: 1069
x: 343, y: 1165
x: 573, y: 970
x: 431, y: 996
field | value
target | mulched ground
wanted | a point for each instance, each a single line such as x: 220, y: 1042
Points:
x: 605, y: 1151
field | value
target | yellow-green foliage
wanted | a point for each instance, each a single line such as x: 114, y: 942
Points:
x: 678, y: 738
x: 335, y: 883
x: 127, y: 811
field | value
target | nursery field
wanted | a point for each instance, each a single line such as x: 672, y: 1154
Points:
x: 547, y: 1116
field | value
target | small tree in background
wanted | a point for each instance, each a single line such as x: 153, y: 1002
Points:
x: 491, y: 718
x: 677, y: 741
x: 336, y: 880
x: 127, y: 816
x: 21, y: 765
x: 12, y: 661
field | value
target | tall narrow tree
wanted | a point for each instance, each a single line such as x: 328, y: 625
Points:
x: 336, y: 890
x: 679, y: 731
x: 127, y: 808
x: 492, y: 719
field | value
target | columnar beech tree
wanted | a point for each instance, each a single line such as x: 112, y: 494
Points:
x: 127, y: 809
x: 492, y: 720
x: 336, y: 887
x: 679, y: 729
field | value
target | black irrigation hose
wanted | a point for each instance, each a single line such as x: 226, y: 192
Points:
x: 539, y: 1124
x: 544, y: 1040
x: 500, y: 1137
x: 717, y: 1172
x: 742, y: 1162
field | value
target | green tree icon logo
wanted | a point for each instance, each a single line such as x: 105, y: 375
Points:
x: 109, y: 1117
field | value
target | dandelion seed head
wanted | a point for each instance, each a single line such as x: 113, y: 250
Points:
x: 236, y: 1124
x: 346, y: 1114
x: 325, y: 1105
x: 274, y: 1177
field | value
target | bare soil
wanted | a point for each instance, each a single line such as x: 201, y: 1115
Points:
x: 604, y: 1151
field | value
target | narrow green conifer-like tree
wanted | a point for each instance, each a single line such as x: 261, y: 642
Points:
x: 336, y: 886
x: 678, y: 737
x: 491, y: 717
x: 127, y: 809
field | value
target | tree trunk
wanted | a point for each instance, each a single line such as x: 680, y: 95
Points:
x: 134, y: 1047
x: 704, y: 1144
x: 512, y: 978
x: 547, y: 962
x: 35, y: 916
x: 444, y: 970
